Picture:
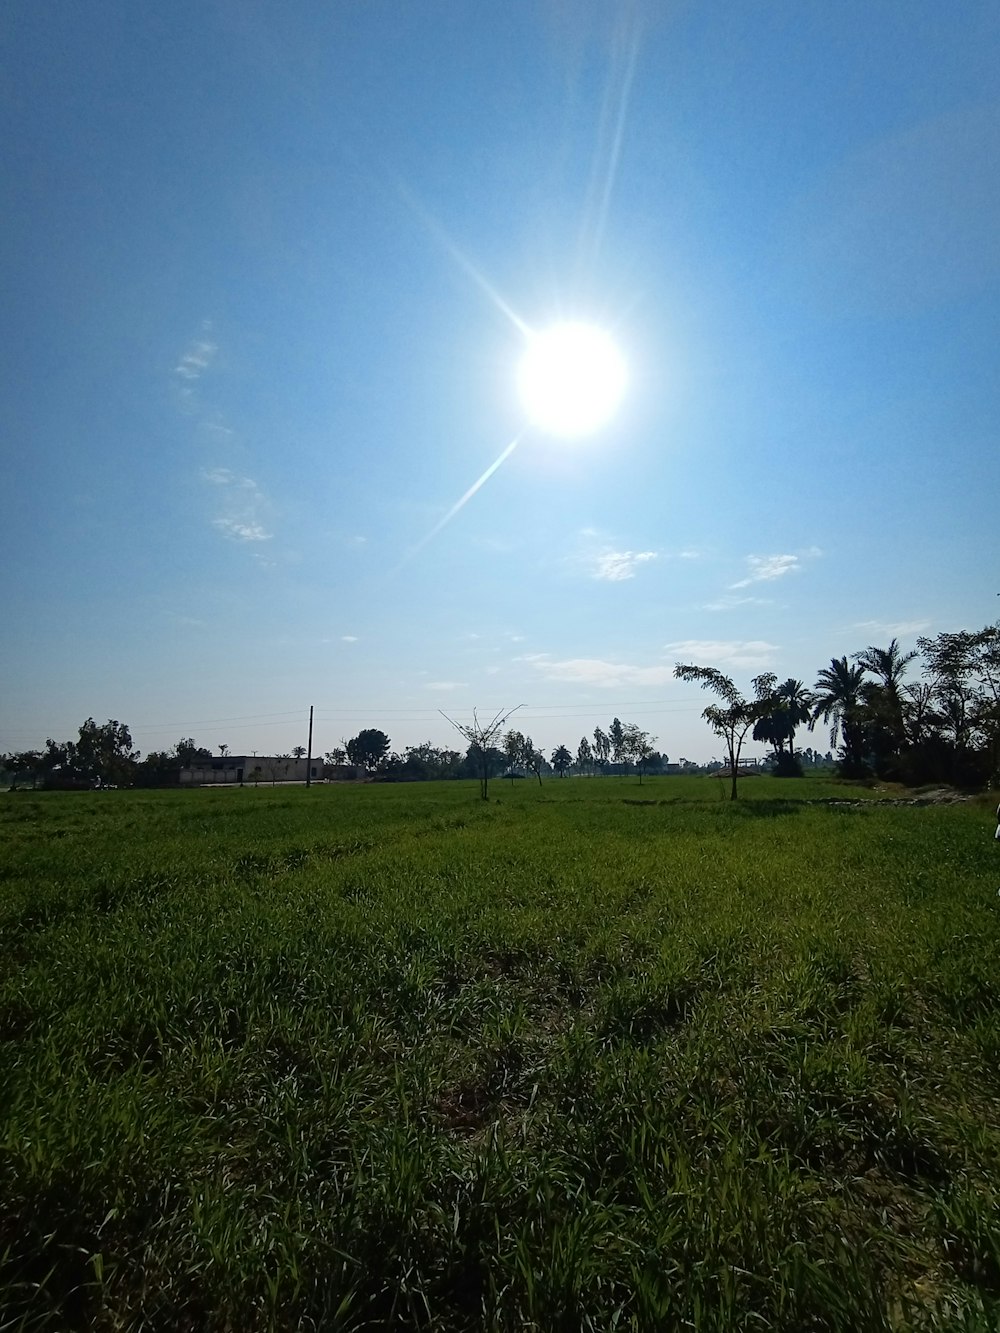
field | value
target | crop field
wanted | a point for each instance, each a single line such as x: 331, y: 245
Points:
x: 594, y: 1055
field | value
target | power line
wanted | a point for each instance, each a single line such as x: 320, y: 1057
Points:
x: 219, y: 721
x: 397, y: 716
x: 656, y: 705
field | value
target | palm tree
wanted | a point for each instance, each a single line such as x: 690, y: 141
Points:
x: 837, y: 702
x: 787, y: 708
x: 796, y: 704
x: 888, y: 666
x: 772, y: 727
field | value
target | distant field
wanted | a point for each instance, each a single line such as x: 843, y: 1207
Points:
x: 590, y: 1056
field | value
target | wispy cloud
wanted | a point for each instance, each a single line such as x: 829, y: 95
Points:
x: 243, y: 532
x: 892, y: 629
x: 600, y: 557
x: 197, y: 356
x: 216, y: 431
x: 241, y: 507
x: 728, y: 603
x: 241, y: 502
x: 596, y: 671
x: 748, y: 653
x: 348, y: 638
x: 614, y: 566
x: 445, y: 685
x: 764, y: 568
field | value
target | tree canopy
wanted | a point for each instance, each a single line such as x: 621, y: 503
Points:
x: 368, y: 748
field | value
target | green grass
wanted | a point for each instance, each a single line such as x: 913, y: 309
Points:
x: 589, y: 1056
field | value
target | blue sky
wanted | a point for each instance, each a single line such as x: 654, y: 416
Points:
x: 258, y: 264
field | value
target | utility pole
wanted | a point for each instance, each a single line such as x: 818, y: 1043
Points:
x: 309, y: 752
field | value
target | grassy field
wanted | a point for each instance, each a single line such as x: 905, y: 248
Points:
x: 591, y: 1056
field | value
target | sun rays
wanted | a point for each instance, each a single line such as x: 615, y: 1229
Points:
x: 570, y: 375
x: 465, y: 498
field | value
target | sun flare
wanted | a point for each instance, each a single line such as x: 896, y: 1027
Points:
x: 571, y: 379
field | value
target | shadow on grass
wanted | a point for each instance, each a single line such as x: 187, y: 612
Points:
x: 769, y: 809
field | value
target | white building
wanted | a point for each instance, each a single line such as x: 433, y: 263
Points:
x: 236, y: 768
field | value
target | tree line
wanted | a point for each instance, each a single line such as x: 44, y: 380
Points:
x: 103, y: 755
x: 943, y: 726
x: 885, y: 719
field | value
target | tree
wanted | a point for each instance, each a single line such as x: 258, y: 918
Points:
x: 837, y: 703
x: 637, y: 746
x: 788, y: 706
x: 336, y: 756
x: 616, y: 737
x: 887, y: 664
x: 104, y: 753
x: 602, y: 747
x: 920, y: 716
x: 513, y: 748
x: 158, y: 769
x: 796, y: 703
x: 884, y: 700
x: 965, y: 671
x: 772, y: 727
x: 732, y: 722
x: 190, y: 754
x: 584, y: 755
x: 26, y: 763
x: 532, y: 758
x: 298, y: 752
x: 368, y: 747
x: 480, y: 736
x: 426, y: 761
x: 475, y: 759
x: 561, y: 760
x: 391, y: 767
x: 223, y: 750
x: 57, y: 757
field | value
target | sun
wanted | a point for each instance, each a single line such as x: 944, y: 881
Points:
x: 571, y: 379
